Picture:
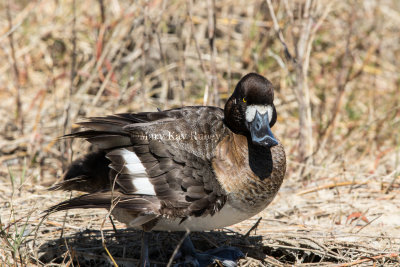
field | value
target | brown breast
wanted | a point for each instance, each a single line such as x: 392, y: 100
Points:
x: 245, y: 190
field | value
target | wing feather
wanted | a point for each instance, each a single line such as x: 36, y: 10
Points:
x: 158, y: 153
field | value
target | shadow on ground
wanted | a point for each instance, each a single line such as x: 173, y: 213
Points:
x: 86, y: 249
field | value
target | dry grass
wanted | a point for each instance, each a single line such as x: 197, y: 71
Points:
x: 63, y: 60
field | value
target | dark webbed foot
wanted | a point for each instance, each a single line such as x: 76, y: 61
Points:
x: 187, y: 256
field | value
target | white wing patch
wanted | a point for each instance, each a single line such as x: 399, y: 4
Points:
x: 262, y: 109
x: 134, y: 167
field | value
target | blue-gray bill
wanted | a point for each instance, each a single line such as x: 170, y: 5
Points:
x: 260, y: 130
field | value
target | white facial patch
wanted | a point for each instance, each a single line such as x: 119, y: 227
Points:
x: 262, y: 109
x: 135, y: 168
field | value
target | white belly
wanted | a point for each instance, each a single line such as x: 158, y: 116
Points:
x: 225, y: 217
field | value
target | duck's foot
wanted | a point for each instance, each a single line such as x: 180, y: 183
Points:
x: 187, y: 256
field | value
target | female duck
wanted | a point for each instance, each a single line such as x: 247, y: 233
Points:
x: 190, y: 168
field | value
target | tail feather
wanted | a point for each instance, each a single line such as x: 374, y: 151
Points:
x: 103, y: 125
x: 91, y: 172
x: 87, y: 174
x: 84, y: 202
x: 107, y: 199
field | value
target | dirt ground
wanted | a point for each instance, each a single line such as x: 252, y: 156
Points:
x: 327, y: 222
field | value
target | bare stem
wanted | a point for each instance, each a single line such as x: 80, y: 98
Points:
x: 67, y: 148
x: 303, y: 38
x: 19, y: 117
x: 203, y: 68
x: 211, y: 38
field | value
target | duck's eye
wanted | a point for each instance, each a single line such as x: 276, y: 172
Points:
x: 244, y: 100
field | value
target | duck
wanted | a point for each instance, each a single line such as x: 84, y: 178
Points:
x: 194, y: 168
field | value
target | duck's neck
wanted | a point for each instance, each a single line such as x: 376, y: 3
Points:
x: 260, y: 159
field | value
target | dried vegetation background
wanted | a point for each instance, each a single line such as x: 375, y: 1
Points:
x: 335, y: 66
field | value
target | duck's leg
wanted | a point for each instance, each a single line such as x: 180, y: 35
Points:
x: 228, y: 256
x: 144, y: 253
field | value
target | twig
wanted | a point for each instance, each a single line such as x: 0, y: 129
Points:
x: 166, y: 79
x: 395, y: 177
x: 346, y: 67
x: 183, y: 67
x: 165, y: 89
x: 357, y: 262
x: 295, y: 248
x: 102, y: 11
x: 203, y: 68
x: 229, y: 54
x: 62, y: 225
x: 211, y: 242
x: 107, y: 78
x: 189, y: 11
x: 67, y: 145
x: 68, y: 250
x: 145, y: 54
x: 301, y: 89
x: 65, y: 217
x: 109, y: 254
x: 253, y: 227
x: 113, y: 225
x: 396, y: 173
x: 19, y: 117
x: 368, y: 223
x: 330, y: 186
x: 103, y: 240
x: 273, y: 261
x: 178, y: 246
x: 211, y: 39
x: 279, y: 32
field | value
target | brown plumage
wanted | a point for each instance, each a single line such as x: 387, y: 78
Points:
x: 195, y: 168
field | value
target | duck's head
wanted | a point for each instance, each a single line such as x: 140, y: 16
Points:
x: 250, y: 110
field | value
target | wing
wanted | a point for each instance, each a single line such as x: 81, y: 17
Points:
x: 164, y: 157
